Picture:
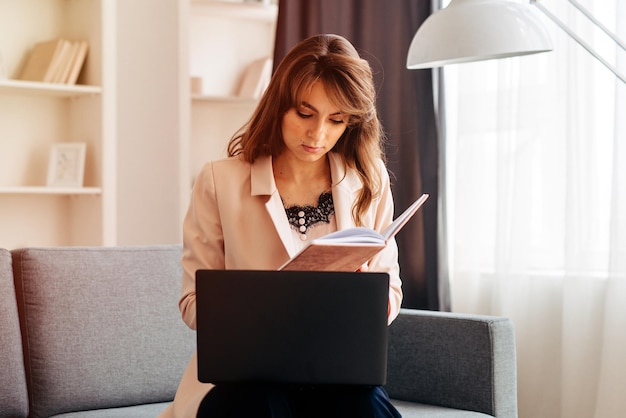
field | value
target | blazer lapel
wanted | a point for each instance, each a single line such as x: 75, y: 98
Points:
x: 346, y: 185
x: 263, y: 184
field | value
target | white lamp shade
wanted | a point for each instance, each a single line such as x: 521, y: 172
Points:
x: 475, y: 30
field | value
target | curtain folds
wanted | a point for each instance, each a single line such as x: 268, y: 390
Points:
x: 536, y: 168
x: 382, y: 30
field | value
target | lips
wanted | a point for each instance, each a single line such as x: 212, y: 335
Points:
x: 311, y: 149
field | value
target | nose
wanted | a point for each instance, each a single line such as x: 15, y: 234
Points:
x: 316, y: 131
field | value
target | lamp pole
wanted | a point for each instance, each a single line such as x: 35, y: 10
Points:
x: 581, y: 42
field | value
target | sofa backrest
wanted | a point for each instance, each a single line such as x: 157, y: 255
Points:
x: 101, y: 326
x: 13, y: 395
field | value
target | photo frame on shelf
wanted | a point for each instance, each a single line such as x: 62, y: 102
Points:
x: 66, y: 166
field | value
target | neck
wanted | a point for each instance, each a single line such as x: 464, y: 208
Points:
x: 302, y: 173
x: 301, y: 184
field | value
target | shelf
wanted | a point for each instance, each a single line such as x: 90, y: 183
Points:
x: 44, y: 190
x: 47, y: 89
x: 258, y: 11
x: 224, y: 99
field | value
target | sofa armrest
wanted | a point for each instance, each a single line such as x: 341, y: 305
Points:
x: 454, y: 360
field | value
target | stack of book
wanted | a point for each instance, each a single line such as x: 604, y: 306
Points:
x: 256, y: 78
x: 55, y: 61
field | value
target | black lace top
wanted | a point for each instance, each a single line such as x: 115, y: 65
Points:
x: 301, y: 218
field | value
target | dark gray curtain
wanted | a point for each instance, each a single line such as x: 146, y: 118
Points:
x: 382, y: 30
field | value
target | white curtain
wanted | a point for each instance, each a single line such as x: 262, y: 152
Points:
x: 536, y: 211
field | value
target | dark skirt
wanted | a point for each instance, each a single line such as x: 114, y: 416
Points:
x: 296, y: 401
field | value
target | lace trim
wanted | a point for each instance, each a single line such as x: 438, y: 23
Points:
x: 301, y: 218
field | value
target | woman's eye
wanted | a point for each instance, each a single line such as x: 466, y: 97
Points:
x: 337, y: 121
x: 304, y: 115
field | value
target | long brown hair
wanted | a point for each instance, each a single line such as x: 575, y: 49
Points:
x: 348, y: 80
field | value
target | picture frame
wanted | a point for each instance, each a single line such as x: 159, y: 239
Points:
x: 66, y: 165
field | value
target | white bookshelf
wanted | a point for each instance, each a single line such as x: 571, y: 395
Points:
x: 224, y: 37
x: 35, y: 115
x: 126, y: 107
x: 146, y: 134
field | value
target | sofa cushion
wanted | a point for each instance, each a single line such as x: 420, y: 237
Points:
x: 102, y: 326
x: 139, y: 411
x: 13, y: 395
x: 420, y: 410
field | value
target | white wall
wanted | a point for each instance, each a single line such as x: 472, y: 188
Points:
x: 148, y: 196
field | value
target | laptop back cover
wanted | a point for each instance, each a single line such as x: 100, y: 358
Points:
x: 292, y: 326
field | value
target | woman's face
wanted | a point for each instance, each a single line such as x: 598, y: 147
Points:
x: 314, y: 127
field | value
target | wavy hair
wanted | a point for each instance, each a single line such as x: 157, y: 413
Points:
x: 348, y: 81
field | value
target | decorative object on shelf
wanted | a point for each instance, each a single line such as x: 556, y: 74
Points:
x: 66, y: 166
x: 256, y: 78
x: 196, y: 85
x: 55, y: 61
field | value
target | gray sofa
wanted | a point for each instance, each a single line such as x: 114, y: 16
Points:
x: 95, y: 332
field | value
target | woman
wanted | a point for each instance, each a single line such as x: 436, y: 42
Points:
x: 309, y: 162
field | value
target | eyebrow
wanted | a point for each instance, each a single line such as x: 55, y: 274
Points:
x: 310, y: 106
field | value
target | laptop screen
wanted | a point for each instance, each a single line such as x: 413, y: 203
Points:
x: 292, y: 326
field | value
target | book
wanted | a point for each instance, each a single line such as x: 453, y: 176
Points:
x: 348, y: 249
x: 65, y: 59
x: 43, y: 61
x: 256, y: 78
x: 78, y: 61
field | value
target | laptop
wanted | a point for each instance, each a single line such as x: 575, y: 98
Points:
x: 300, y: 327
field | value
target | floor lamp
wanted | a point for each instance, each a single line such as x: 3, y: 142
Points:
x: 475, y: 30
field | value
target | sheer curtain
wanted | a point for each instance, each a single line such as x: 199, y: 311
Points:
x: 536, y: 197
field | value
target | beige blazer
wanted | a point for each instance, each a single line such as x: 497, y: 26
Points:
x: 236, y: 220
